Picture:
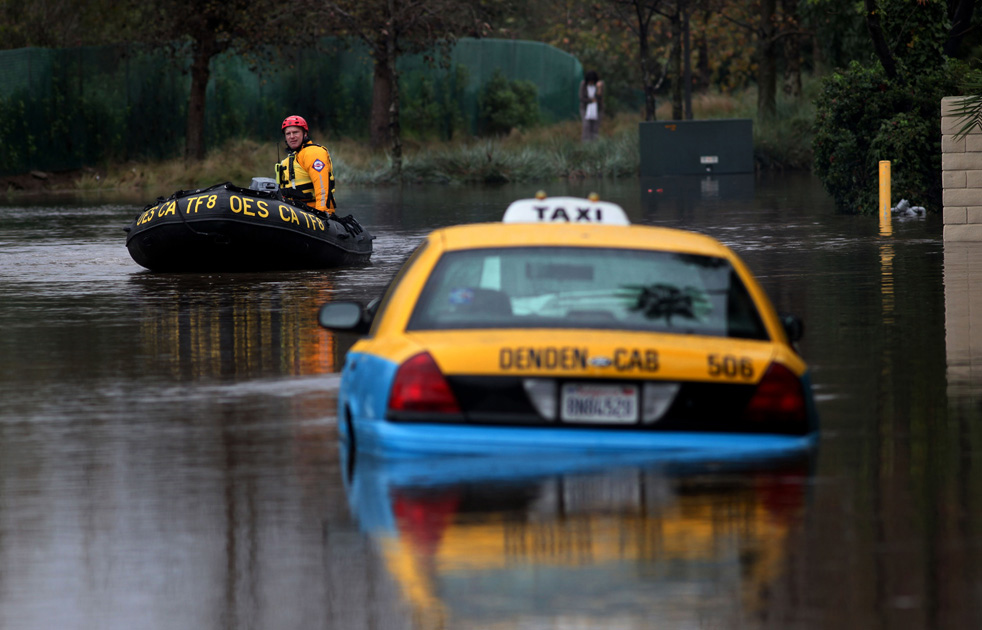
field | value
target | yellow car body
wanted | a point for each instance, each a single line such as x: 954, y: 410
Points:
x: 536, y: 334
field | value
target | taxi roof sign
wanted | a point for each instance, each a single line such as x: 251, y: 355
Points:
x: 565, y: 210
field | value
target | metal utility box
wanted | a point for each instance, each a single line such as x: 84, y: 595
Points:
x: 697, y: 147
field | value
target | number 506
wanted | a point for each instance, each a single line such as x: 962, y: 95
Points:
x: 730, y: 366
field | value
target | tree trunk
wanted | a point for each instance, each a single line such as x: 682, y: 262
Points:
x: 879, y: 41
x: 676, y: 63
x: 647, y: 76
x: 381, y: 100
x: 961, y: 23
x: 766, y: 62
x: 650, y: 96
x: 792, y: 51
x: 687, y: 62
x: 702, y: 57
x: 395, y: 133
x: 818, y: 55
x: 194, y: 134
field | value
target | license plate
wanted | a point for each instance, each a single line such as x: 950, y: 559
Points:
x: 610, y: 404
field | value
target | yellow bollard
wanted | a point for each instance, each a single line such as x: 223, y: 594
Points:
x: 886, y: 227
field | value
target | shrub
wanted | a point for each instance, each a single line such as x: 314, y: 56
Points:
x: 913, y: 144
x: 862, y: 118
x: 432, y: 108
x: 505, y: 105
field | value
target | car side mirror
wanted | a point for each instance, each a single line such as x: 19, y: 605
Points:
x: 345, y: 317
x: 794, y: 328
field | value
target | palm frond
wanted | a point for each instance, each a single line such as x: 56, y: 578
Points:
x: 969, y: 108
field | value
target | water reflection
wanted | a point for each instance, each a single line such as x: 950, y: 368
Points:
x: 595, y: 542
x: 886, y: 281
x: 669, y: 192
x: 963, y: 317
x: 255, y: 325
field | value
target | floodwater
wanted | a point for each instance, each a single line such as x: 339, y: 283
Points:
x: 169, y: 456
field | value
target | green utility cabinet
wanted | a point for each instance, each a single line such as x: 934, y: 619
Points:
x: 697, y: 147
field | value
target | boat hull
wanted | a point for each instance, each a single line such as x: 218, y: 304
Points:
x: 227, y: 228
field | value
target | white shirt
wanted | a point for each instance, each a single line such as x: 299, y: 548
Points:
x: 591, y: 108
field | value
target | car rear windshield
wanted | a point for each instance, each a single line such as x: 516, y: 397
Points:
x: 580, y: 287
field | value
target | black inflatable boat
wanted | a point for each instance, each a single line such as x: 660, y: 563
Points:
x: 228, y: 228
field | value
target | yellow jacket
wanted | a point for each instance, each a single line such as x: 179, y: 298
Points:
x: 309, y: 170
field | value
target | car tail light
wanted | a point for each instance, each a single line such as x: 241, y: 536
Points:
x: 420, y: 386
x: 779, y: 397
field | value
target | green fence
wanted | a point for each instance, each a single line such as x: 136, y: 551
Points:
x: 61, y: 109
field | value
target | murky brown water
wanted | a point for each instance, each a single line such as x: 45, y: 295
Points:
x: 168, y: 453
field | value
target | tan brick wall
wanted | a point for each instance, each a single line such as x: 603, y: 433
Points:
x: 961, y: 164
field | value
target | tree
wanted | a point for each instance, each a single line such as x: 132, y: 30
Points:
x: 207, y: 28
x: 64, y: 23
x: 638, y: 16
x: 202, y: 29
x: 641, y: 18
x: 838, y: 33
x: 678, y: 19
x: 891, y: 110
x: 770, y: 29
x: 587, y: 30
x: 767, y: 47
x: 879, y: 39
x: 391, y: 28
x: 960, y: 13
x: 792, y: 52
x: 897, y: 31
x: 903, y: 37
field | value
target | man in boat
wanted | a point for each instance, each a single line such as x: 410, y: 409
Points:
x: 307, y: 170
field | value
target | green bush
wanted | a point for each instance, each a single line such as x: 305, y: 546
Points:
x: 913, y: 144
x: 432, y: 106
x: 863, y: 118
x: 505, y: 105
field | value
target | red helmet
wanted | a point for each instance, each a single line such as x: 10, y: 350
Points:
x: 295, y: 121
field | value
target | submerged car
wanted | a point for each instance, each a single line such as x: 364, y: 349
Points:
x: 564, y: 327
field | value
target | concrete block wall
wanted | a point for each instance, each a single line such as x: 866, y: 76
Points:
x: 961, y: 172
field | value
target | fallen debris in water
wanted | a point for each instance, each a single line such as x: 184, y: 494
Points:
x: 904, y: 209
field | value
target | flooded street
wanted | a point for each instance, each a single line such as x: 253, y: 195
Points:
x: 169, y: 456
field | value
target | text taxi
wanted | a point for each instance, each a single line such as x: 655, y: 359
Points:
x: 565, y: 327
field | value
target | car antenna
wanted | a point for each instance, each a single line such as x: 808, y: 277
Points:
x: 276, y: 169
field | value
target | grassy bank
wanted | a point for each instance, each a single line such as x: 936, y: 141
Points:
x: 539, y: 154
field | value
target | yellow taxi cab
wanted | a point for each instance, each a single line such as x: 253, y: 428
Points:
x: 564, y: 327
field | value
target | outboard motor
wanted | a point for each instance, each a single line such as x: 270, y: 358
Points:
x: 266, y: 184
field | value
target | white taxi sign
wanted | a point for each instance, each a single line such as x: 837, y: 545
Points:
x: 565, y: 210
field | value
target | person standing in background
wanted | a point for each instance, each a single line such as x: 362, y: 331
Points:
x: 591, y: 105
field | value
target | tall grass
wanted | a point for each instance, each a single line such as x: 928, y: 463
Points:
x: 542, y: 153
x: 237, y: 161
